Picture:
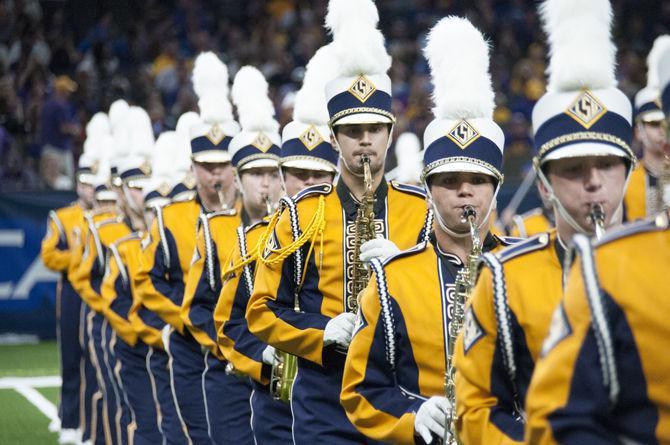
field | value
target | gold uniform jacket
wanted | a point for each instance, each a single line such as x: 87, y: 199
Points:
x: 641, y: 199
x: 400, y: 215
x: 506, y: 322
x: 214, y: 243
x: 146, y: 324
x: 64, y: 230
x: 531, y: 223
x: 102, y: 231
x: 124, y: 259
x: 237, y: 345
x: 603, y: 377
x: 398, y: 358
x: 165, y: 262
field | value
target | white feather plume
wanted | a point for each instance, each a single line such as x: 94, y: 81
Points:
x: 164, y: 154
x: 357, y: 43
x: 210, y: 82
x: 182, y: 151
x: 141, y: 135
x: 310, y: 104
x: 117, y: 113
x: 458, y: 56
x: 661, y: 44
x: 582, y: 54
x: 254, y: 107
x: 98, y: 125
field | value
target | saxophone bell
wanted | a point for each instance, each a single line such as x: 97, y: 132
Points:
x: 597, y: 218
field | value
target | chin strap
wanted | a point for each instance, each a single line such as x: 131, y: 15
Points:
x: 443, y: 224
x: 560, y: 208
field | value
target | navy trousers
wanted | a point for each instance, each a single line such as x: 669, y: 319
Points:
x: 96, y: 325
x: 68, y: 312
x: 169, y: 423
x: 136, y: 385
x: 227, y: 403
x: 91, y: 410
x: 318, y: 416
x: 187, y: 363
x: 271, y: 420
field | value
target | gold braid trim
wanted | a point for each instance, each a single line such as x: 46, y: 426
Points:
x: 314, y: 229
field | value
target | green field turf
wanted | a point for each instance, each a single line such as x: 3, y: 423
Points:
x: 29, y: 360
x: 22, y: 423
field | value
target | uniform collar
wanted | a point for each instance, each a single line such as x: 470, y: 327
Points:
x: 350, y: 204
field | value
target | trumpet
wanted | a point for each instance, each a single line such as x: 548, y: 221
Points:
x: 464, y: 283
x: 597, y: 218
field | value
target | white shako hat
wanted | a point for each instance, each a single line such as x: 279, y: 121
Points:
x: 134, y: 168
x: 582, y: 113
x: 96, y: 129
x: 257, y: 145
x: 306, y: 139
x: 648, y: 100
x: 361, y: 92
x: 463, y: 136
x: 117, y: 113
x: 211, y: 137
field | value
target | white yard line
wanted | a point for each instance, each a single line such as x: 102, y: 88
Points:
x: 37, y: 399
x: 35, y: 382
x: 26, y: 387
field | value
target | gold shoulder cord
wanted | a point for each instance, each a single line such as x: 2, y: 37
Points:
x: 314, y: 229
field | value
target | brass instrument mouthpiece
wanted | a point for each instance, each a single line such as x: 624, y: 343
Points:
x: 469, y: 213
x: 365, y: 158
x: 597, y: 218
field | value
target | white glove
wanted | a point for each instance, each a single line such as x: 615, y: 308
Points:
x: 270, y: 356
x: 431, y: 418
x: 381, y: 248
x: 339, y: 330
x: 165, y: 335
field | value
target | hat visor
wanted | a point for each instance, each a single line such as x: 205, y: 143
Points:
x: 106, y: 195
x: 211, y: 157
x: 86, y: 178
x: 137, y: 183
x: 459, y: 167
x: 652, y: 116
x: 309, y: 164
x: 584, y: 149
x: 259, y: 163
x: 184, y: 196
x: 363, y: 118
x: 156, y: 202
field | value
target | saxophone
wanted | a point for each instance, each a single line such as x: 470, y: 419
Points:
x: 365, y: 231
x: 285, y: 366
x: 284, y: 370
x: 464, y: 283
x: 597, y: 218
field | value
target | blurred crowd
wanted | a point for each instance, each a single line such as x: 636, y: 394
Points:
x: 61, y: 61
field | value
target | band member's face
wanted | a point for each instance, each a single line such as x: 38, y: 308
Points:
x: 135, y: 199
x: 653, y: 136
x: 357, y: 139
x: 86, y: 193
x: 452, y: 191
x: 258, y: 183
x: 296, y: 179
x: 208, y: 174
x: 581, y: 182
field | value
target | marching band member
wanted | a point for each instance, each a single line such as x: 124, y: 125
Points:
x: 643, y: 197
x: 601, y: 378
x: 253, y: 155
x: 394, y: 378
x: 103, y: 226
x: 146, y: 324
x: 129, y: 351
x: 582, y: 134
x: 166, y: 261
x: 307, y: 159
x: 337, y: 230
x: 59, y: 253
